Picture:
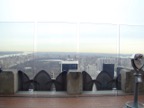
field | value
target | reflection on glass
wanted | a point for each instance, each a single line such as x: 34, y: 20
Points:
x: 56, y: 37
x: 131, y: 39
x: 98, y: 38
x: 16, y: 36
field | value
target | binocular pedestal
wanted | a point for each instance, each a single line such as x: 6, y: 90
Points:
x: 135, y: 103
x: 131, y: 105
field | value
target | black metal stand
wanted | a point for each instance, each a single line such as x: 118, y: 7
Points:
x: 135, y: 103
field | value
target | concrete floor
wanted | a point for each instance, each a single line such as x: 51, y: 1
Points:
x: 67, y: 102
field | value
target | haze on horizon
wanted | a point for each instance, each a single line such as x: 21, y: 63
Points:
x: 72, y: 26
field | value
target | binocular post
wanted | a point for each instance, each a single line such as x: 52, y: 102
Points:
x: 137, y: 61
x: 138, y: 80
x: 135, y: 103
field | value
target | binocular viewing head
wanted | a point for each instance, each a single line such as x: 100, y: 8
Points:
x: 137, y: 61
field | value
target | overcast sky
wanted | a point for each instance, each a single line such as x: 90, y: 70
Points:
x: 101, y: 11
x: 71, y: 25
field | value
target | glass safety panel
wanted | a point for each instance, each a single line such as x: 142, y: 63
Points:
x: 98, y: 45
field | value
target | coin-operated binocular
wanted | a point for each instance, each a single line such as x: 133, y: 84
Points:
x: 137, y: 61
